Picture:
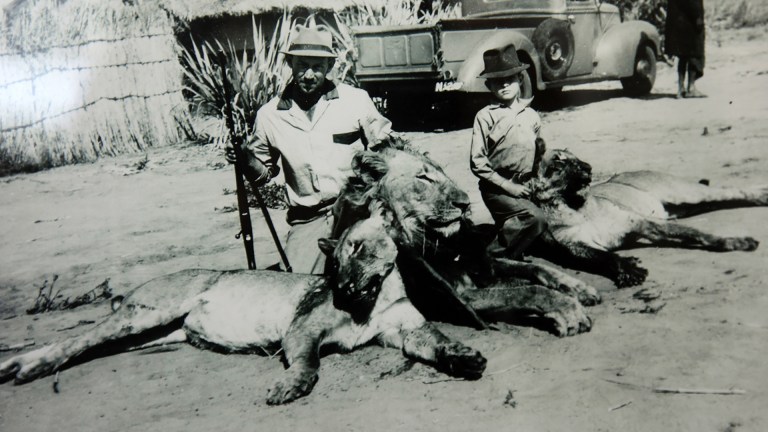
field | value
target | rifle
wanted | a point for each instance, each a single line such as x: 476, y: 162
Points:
x: 246, y: 229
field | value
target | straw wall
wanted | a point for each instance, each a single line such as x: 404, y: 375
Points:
x: 79, y: 80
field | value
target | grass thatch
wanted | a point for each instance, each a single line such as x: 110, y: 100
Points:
x: 189, y: 10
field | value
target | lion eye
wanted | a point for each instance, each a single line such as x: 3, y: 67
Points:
x: 426, y: 177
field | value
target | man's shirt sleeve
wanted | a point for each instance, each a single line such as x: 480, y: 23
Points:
x: 374, y: 126
x: 261, y: 158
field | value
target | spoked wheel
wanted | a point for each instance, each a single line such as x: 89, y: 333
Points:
x: 554, y: 41
x: 641, y: 82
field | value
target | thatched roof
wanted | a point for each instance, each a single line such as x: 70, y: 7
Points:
x: 192, y: 9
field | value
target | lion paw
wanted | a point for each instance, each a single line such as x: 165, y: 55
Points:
x: 459, y: 360
x: 629, y: 273
x: 294, y: 385
x: 570, y: 320
x: 27, y: 367
x: 747, y: 244
x: 588, y: 296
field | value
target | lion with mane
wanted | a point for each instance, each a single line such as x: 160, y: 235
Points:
x: 442, y: 255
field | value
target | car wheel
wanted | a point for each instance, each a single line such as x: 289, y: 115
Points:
x: 554, y: 42
x: 644, y: 76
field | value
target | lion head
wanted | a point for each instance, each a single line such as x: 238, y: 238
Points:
x: 427, y: 207
x: 362, y: 258
x: 562, y: 178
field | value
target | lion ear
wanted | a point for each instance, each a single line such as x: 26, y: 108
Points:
x: 327, y: 245
x: 369, y: 166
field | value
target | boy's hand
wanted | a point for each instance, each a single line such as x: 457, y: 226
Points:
x: 516, y: 190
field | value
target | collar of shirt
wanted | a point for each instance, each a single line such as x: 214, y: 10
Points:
x: 286, y: 102
x: 519, y: 106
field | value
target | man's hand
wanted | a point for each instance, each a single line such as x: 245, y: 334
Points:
x: 230, y: 154
x: 516, y: 190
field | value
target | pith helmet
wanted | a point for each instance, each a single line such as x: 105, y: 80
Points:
x: 314, y: 41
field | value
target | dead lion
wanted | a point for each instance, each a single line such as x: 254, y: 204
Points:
x: 439, y: 248
x: 587, y: 223
x: 247, y: 311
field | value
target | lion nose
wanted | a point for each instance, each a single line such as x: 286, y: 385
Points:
x: 461, y: 205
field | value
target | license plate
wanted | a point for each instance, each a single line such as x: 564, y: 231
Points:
x: 444, y: 86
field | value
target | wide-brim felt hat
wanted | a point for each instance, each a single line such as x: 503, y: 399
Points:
x: 314, y: 41
x: 501, y: 63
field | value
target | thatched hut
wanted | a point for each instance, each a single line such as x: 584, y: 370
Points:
x: 88, y: 78
x: 232, y: 20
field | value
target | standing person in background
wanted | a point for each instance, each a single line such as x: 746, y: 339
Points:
x: 684, y: 38
x: 506, y: 148
x: 314, y: 128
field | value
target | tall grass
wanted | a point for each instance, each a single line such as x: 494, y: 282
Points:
x: 253, y: 79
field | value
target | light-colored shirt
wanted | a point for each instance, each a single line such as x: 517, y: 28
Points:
x: 316, y: 153
x: 504, y: 142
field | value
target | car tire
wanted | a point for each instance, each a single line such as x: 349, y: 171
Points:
x: 554, y: 42
x: 644, y: 75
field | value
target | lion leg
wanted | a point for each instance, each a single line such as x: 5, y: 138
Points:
x: 422, y: 341
x: 549, y: 277
x: 175, y: 337
x: 46, y: 360
x: 301, y: 349
x: 697, y: 199
x: 623, y: 271
x: 677, y: 235
x: 514, y: 302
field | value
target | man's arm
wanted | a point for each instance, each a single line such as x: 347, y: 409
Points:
x: 258, y: 159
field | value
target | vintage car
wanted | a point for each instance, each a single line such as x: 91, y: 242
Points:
x: 565, y: 42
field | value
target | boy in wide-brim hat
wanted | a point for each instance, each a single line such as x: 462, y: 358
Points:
x: 506, y: 147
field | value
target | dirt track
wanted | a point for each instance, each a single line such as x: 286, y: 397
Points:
x: 106, y: 220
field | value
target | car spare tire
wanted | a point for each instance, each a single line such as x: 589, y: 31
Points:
x: 553, y: 40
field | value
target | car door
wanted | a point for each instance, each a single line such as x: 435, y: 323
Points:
x: 585, y: 25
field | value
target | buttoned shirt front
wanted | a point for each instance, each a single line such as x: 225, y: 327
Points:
x: 316, y: 152
x: 504, y: 142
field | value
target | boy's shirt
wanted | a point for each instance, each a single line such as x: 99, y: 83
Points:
x: 504, y: 142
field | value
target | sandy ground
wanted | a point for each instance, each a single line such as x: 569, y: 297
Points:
x: 107, y: 220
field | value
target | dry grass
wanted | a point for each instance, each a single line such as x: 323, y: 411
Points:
x: 736, y: 13
x: 717, y: 13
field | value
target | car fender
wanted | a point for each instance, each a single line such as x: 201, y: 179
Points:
x: 617, y: 48
x: 473, y: 65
